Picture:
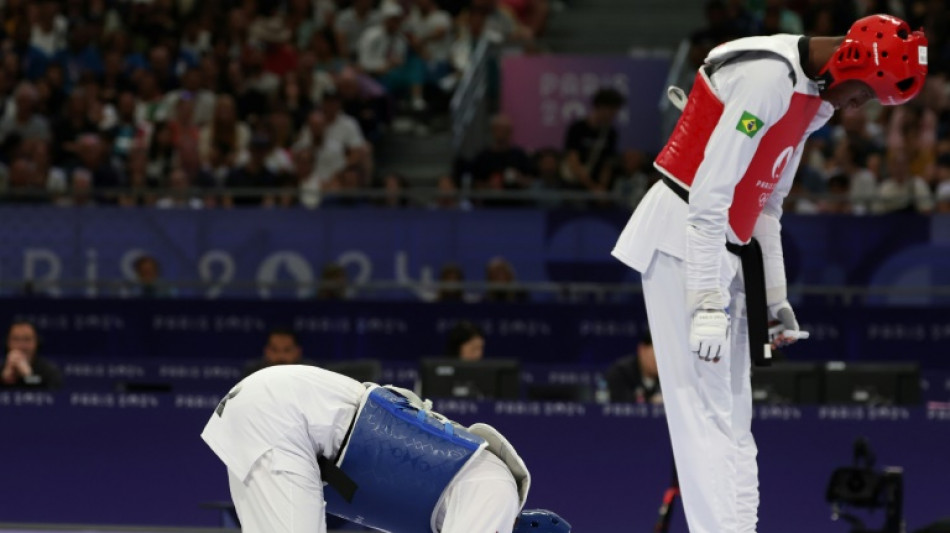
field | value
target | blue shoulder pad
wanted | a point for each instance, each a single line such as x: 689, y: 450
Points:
x: 401, y: 460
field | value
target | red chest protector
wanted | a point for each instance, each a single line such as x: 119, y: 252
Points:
x: 685, y: 150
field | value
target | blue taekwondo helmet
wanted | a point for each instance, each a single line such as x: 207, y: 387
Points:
x: 541, y: 521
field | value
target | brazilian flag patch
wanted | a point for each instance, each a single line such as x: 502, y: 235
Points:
x: 749, y: 124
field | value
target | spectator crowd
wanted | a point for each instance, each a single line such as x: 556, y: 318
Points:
x: 185, y: 104
x: 223, y: 103
x: 865, y: 161
x: 872, y: 160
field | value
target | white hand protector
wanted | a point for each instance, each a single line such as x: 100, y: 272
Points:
x: 788, y: 330
x: 709, y: 335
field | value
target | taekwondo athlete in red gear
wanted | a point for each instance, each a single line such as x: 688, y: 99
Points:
x: 707, y: 241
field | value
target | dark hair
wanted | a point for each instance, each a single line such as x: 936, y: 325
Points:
x: 461, y: 333
x: 330, y: 270
x: 451, y: 268
x: 144, y: 258
x: 607, y: 97
x: 646, y: 337
x: 839, y: 181
x: 283, y: 331
x: 859, y: 155
x: 944, y: 160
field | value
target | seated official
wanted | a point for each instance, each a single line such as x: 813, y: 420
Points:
x: 282, y: 348
x: 23, y: 367
x: 634, y: 379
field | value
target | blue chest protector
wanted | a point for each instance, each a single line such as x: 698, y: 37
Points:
x: 401, y: 460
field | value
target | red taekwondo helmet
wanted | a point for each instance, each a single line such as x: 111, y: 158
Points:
x: 884, y: 53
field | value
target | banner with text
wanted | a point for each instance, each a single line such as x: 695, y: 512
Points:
x: 544, y: 94
x: 532, y: 332
x: 231, y: 250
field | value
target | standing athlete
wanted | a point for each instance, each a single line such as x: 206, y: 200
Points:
x: 726, y: 169
x: 390, y: 463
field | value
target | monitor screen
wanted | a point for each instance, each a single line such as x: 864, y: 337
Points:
x: 872, y: 383
x: 362, y: 370
x: 486, y: 379
x: 787, y: 383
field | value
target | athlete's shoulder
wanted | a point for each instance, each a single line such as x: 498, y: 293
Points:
x: 764, y: 81
x: 783, y: 46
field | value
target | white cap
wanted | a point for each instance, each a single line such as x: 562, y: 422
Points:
x: 390, y: 9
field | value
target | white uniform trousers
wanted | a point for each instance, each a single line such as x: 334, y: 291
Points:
x: 708, y: 406
x: 276, y: 501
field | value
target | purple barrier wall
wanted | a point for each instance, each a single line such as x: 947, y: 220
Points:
x: 532, y: 332
x: 137, y: 459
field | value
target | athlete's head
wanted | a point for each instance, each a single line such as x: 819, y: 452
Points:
x: 541, y: 521
x: 881, y: 58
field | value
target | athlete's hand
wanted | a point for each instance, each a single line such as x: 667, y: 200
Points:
x: 785, y: 329
x: 709, y: 335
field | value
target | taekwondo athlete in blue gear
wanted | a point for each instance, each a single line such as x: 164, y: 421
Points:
x: 302, y: 442
x: 400, y: 458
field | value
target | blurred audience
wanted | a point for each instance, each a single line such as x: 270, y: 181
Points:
x: 157, y: 103
x: 333, y: 283
x: 499, y: 272
x: 180, y: 193
x: 254, y: 174
x: 632, y: 178
x: 20, y: 121
x: 448, y: 195
x: 384, y: 54
x: 903, y: 191
x: 590, y: 144
x: 395, y: 186
x: 465, y: 341
x: 329, y: 154
x: 352, y: 23
x: 502, y: 165
x: 868, y: 160
x: 23, y: 366
x: 532, y: 14
x: 345, y: 130
x: 148, y: 282
x: 451, y: 273
x: 429, y: 30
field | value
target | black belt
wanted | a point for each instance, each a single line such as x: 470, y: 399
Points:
x: 677, y: 188
x: 333, y: 475
x: 753, y: 276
